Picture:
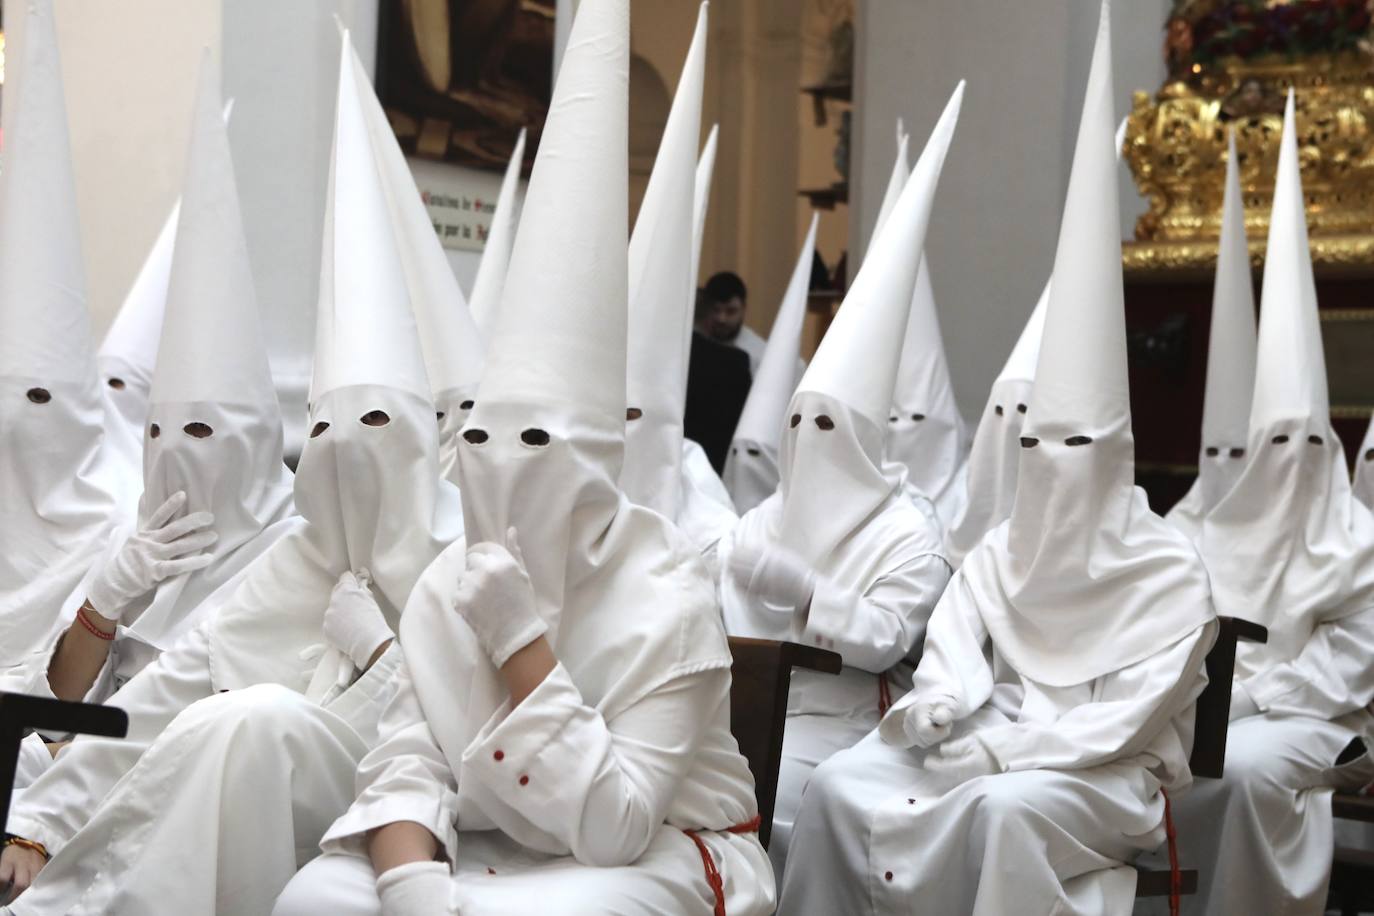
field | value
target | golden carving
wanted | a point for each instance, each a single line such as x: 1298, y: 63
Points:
x: 1176, y: 148
x: 1331, y: 254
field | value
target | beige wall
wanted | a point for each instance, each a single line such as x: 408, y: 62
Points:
x: 993, y: 232
x: 129, y: 70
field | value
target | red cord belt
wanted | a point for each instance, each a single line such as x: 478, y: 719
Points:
x: 712, y: 873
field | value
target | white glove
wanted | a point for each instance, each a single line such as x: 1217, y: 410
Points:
x: 415, y: 889
x: 777, y: 575
x: 929, y: 720
x: 353, y: 623
x: 1242, y: 704
x: 496, y: 599
x: 162, y: 548
x: 960, y: 760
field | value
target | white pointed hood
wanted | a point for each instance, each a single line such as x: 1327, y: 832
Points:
x: 990, y: 475
x: 365, y: 331
x: 990, y: 472
x: 1084, y: 579
x: 128, y: 354
x: 449, y: 338
x: 833, y: 478
x: 495, y: 261
x: 214, y: 428
x: 543, y: 447
x: 706, y: 167
x: 751, y: 468
x: 59, y: 485
x: 926, y: 432
x: 368, y: 481
x: 660, y: 325
x: 1288, y: 546
x: 896, y: 181
x: 1230, y: 364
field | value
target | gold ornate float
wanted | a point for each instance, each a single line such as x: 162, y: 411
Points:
x: 1230, y: 67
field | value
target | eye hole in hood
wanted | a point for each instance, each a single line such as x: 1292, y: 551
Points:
x: 375, y: 418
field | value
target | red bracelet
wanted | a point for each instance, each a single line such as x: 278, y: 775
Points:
x: 92, y: 628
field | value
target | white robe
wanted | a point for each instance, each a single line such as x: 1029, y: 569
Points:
x: 1081, y: 770
x: 493, y: 874
x: 1272, y: 852
x: 592, y: 772
x: 876, y: 627
x: 705, y: 513
x: 117, y: 815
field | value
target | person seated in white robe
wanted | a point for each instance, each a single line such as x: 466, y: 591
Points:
x: 216, y: 493
x: 839, y: 557
x: 990, y: 477
x: 1290, y: 548
x: 61, y: 486
x: 260, y: 715
x: 661, y: 471
x: 1053, y: 704
x: 560, y: 736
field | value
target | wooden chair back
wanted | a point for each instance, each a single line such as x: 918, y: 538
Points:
x: 1214, y: 705
x: 20, y: 713
x: 761, y: 674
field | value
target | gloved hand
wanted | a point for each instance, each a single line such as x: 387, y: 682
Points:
x: 415, y: 889
x: 960, y: 760
x: 929, y: 720
x: 496, y: 599
x: 776, y: 575
x: 1242, y: 704
x: 353, y: 623
x: 163, y: 547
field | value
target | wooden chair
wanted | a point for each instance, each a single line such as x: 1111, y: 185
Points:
x: 761, y: 674
x: 1209, y: 736
x: 19, y: 713
x: 1352, y: 870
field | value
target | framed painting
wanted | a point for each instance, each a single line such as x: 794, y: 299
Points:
x: 459, y: 78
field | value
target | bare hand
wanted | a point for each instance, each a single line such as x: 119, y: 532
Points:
x: 18, y: 868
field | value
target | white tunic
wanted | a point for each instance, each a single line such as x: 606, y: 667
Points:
x: 589, y: 769
x: 1261, y: 836
x: 131, y: 807
x: 1081, y: 769
x: 872, y: 610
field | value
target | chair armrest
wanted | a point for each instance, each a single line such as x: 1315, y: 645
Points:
x: 797, y: 655
x: 1245, y: 629
x: 1353, y: 807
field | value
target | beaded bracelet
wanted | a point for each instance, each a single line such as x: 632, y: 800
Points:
x: 90, y: 627
x: 31, y: 845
